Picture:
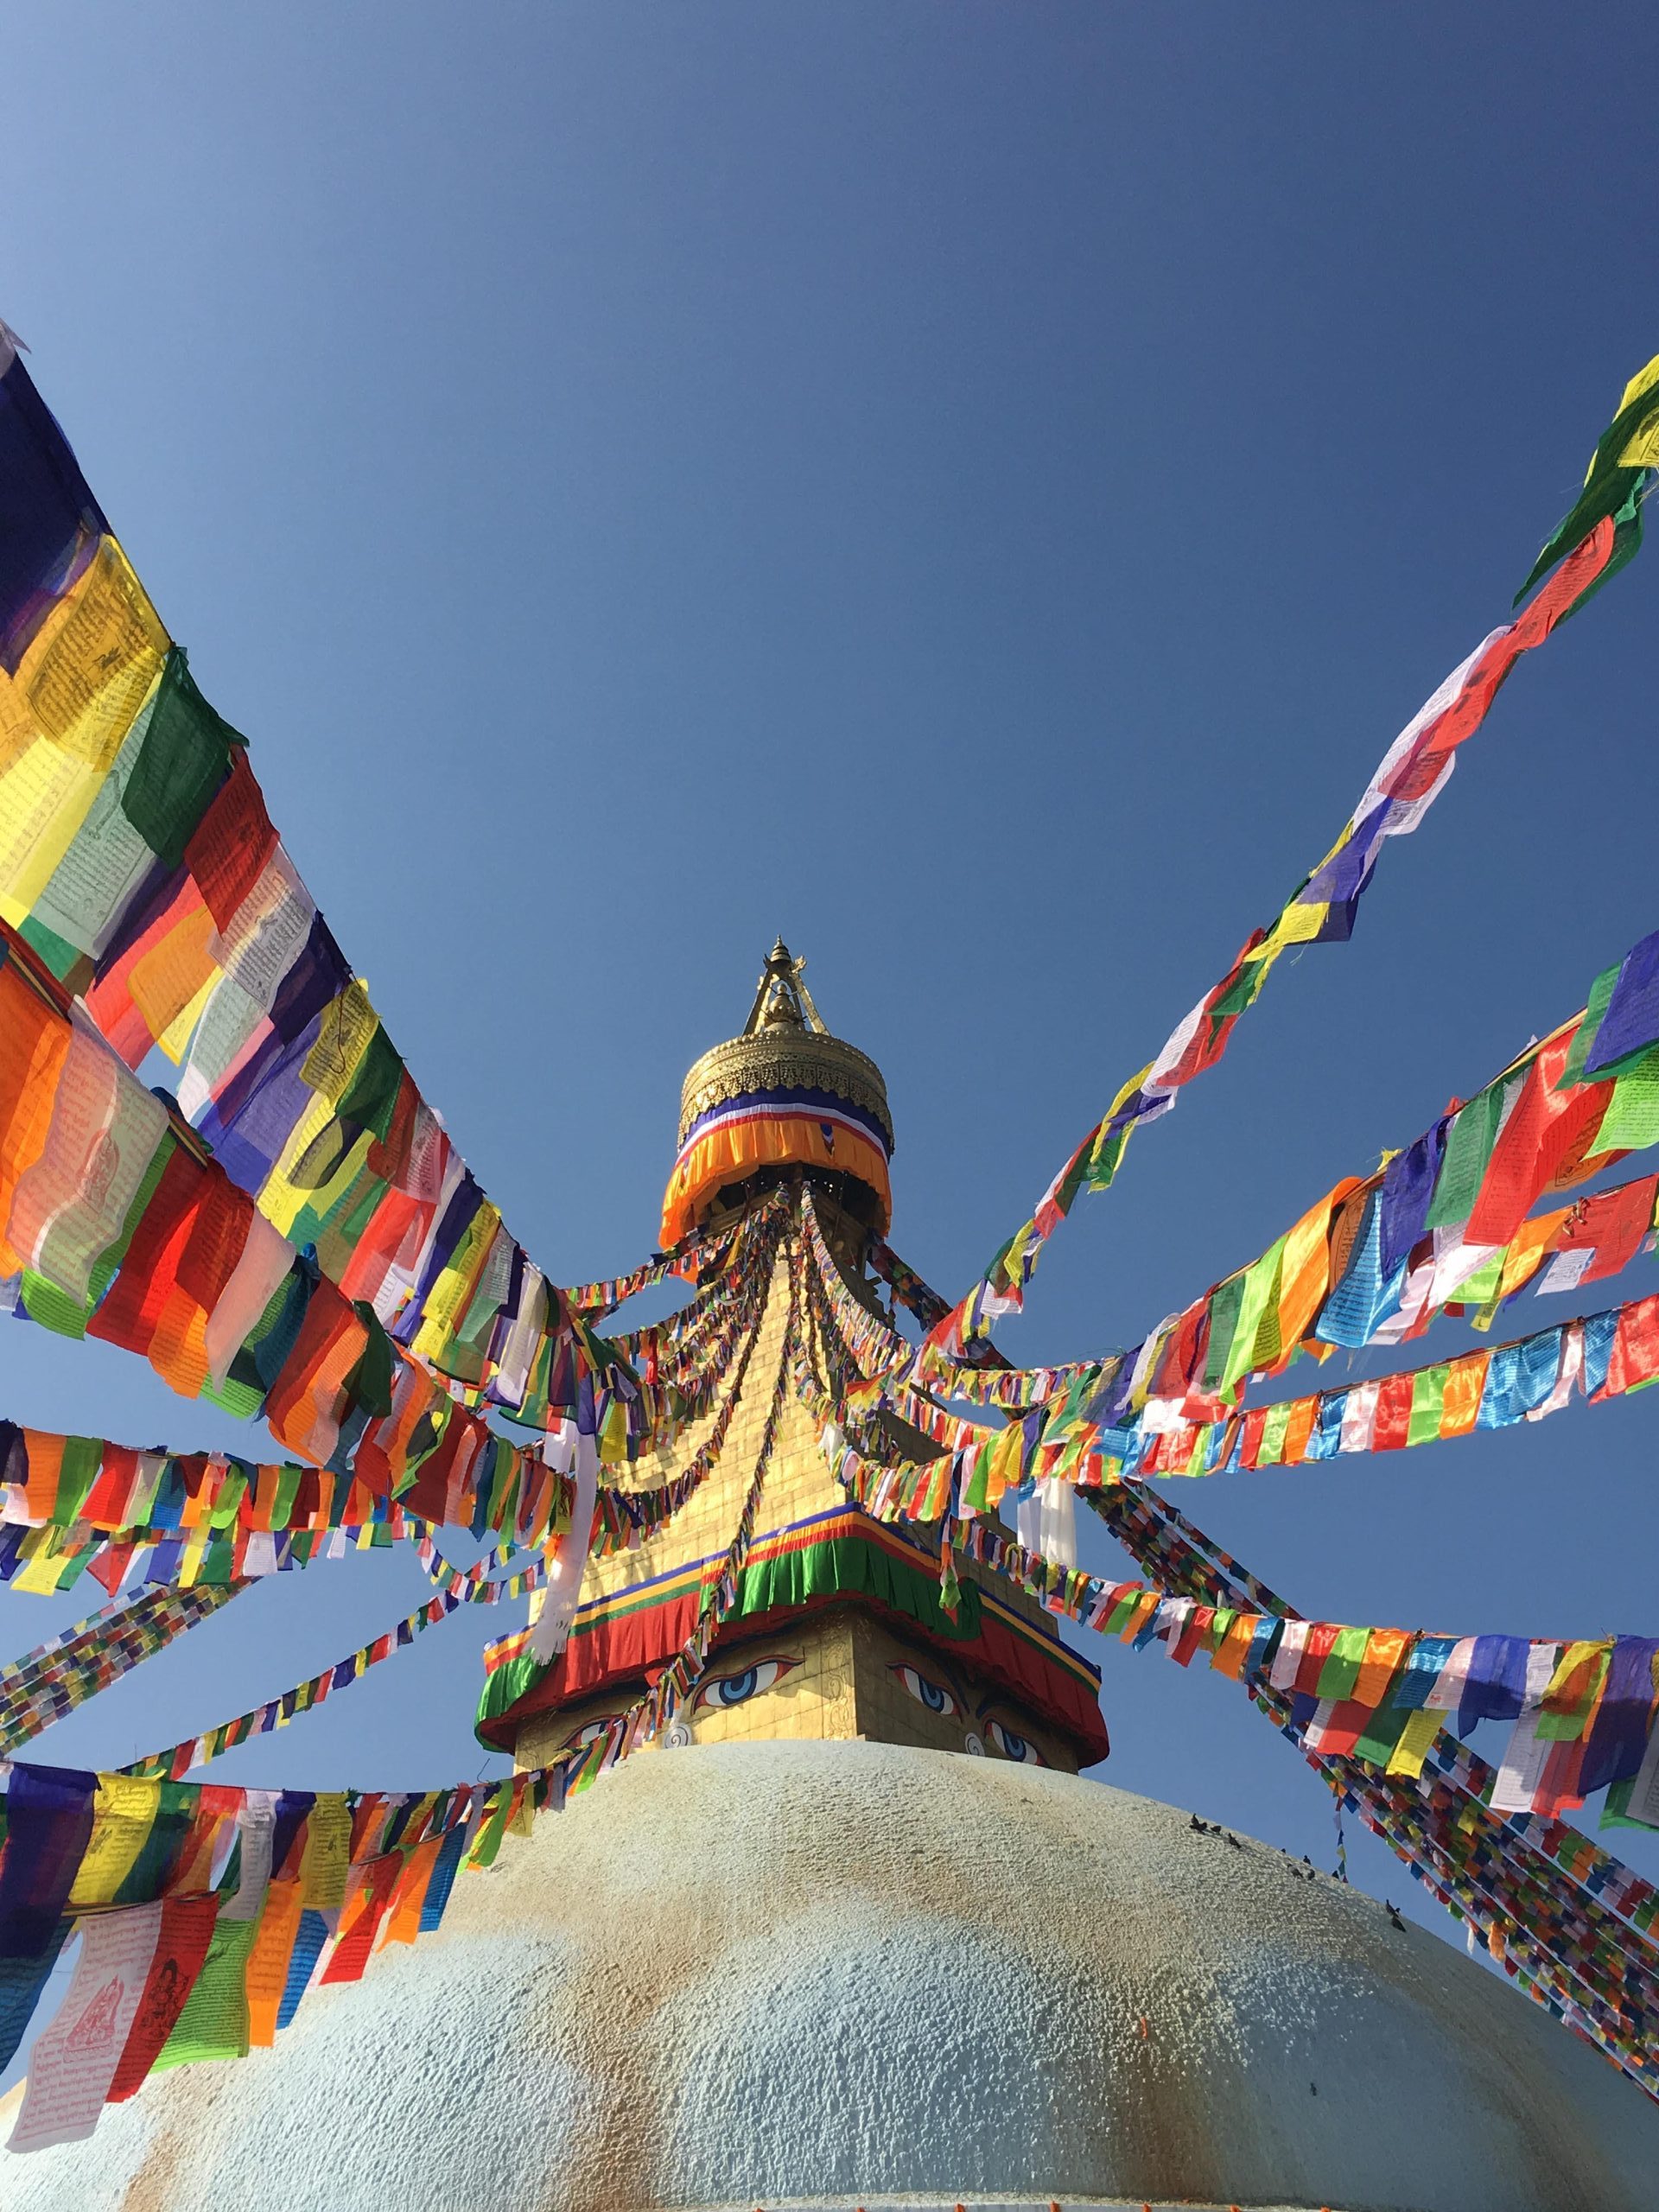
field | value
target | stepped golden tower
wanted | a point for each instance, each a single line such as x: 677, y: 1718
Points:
x: 839, y: 1632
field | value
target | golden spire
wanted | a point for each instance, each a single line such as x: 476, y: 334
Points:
x: 784, y: 1042
x: 781, y: 998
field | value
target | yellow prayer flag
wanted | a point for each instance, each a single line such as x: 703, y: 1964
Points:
x: 91, y: 667
x: 45, y: 795
x: 1298, y: 924
x: 326, y: 1862
x: 42, y: 1551
x: 347, y: 1029
x: 175, y: 1038
x: 1642, y: 448
x: 1413, y: 1748
x: 124, y: 1813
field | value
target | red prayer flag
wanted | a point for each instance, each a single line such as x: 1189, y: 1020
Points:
x: 1635, y: 1358
x: 1321, y: 1640
x: 361, y: 1916
x: 1614, y: 1222
x: 150, y: 1274
x: 187, y: 1931
x: 1543, y: 1126
x: 1393, y: 1421
x: 232, y: 843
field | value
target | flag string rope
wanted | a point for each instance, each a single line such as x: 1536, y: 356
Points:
x: 1405, y: 785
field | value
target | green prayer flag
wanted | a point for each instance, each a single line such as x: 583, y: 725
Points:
x: 1610, y: 484
x: 1427, y: 1404
x: 1341, y: 1669
x: 1616, y: 1810
x: 185, y: 757
x: 214, y: 2021
x: 77, y: 1472
x: 1469, y: 1148
x: 1627, y: 543
x: 1255, y: 1338
x: 1226, y: 1303
x: 145, y: 1879
x: 1486, y: 1281
x: 1271, y: 1451
x: 52, y: 1307
x: 1382, y: 1734
x: 1632, y: 1117
x: 370, y: 1381
x: 104, y: 1268
x: 372, y: 1096
x: 55, y: 952
x: 1590, y: 1020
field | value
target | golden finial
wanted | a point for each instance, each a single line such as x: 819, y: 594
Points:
x: 781, y: 998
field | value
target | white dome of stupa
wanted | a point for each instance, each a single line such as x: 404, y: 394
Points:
x: 787, y: 1974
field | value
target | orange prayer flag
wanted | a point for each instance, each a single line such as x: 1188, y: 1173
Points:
x: 34, y: 1044
x: 268, y: 1962
x: 403, y: 1923
x: 1465, y: 1379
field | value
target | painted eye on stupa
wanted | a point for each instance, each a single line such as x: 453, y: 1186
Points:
x: 724, y: 1690
x: 936, y: 1698
x: 594, y: 1733
x: 1013, y: 1747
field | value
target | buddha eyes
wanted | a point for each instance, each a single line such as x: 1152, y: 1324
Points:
x: 721, y: 1691
x: 1013, y: 1747
x: 926, y: 1693
x: 595, y: 1732
x: 717, y: 1692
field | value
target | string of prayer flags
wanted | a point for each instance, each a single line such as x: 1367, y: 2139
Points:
x: 625, y: 1519
x: 1580, y: 1956
x: 668, y: 1373
x: 1440, y: 1227
x: 1380, y: 1676
x: 206, y: 1515
x: 985, y: 1378
x: 59, y: 1675
x: 1094, y: 1423
x: 336, y: 1389
x: 1615, y: 481
x: 174, y: 1763
x: 481, y: 1583
x: 1443, y: 1224
x: 192, y: 1899
x: 1630, y: 1894
x: 695, y: 1262
x: 330, y: 1878
x: 1600, y: 1356
x: 140, y: 861
x: 678, y: 1681
x: 1555, y: 1936
x: 84, y: 1502
x: 1408, y: 781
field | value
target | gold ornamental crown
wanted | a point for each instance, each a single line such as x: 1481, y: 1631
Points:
x: 784, y: 1046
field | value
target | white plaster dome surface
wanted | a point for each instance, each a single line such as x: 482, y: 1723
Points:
x: 787, y: 1973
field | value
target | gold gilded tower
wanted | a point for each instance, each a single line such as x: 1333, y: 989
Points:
x: 839, y: 1632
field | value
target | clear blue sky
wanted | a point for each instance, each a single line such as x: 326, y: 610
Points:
x: 975, y: 488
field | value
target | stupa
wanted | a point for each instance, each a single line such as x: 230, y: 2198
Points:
x: 857, y: 1931
x: 839, y: 1633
